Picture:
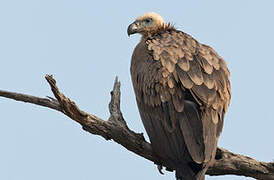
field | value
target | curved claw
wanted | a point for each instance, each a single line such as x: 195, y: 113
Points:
x: 160, y: 168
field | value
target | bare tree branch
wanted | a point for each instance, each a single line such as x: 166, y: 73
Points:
x: 50, y: 102
x: 116, y: 128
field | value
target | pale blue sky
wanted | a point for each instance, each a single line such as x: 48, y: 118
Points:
x: 84, y: 45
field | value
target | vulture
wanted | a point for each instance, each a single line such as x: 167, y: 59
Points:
x: 182, y: 90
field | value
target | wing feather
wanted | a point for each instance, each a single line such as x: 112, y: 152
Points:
x: 208, y: 80
x: 184, y: 78
x: 195, y: 73
x: 205, y: 65
x: 189, y: 125
x: 207, y: 96
x: 209, y: 134
x: 183, y: 64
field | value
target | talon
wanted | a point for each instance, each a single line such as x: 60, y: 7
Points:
x: 160, y: 167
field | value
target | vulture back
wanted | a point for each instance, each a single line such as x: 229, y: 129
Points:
x: 182, y: 90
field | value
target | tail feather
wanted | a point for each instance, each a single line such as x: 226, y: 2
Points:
x: 187, y: 172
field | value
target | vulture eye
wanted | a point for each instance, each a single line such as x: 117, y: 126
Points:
x: 148, y: 20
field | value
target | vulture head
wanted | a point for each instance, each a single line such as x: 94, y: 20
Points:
x: 146, y: 24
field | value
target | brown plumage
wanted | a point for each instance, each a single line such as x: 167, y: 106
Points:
x: 182, y: 90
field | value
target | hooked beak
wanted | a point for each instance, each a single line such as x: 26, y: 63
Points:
x: 132, y: 28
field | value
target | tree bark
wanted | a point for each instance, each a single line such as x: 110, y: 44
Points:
x: 226, y: 162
